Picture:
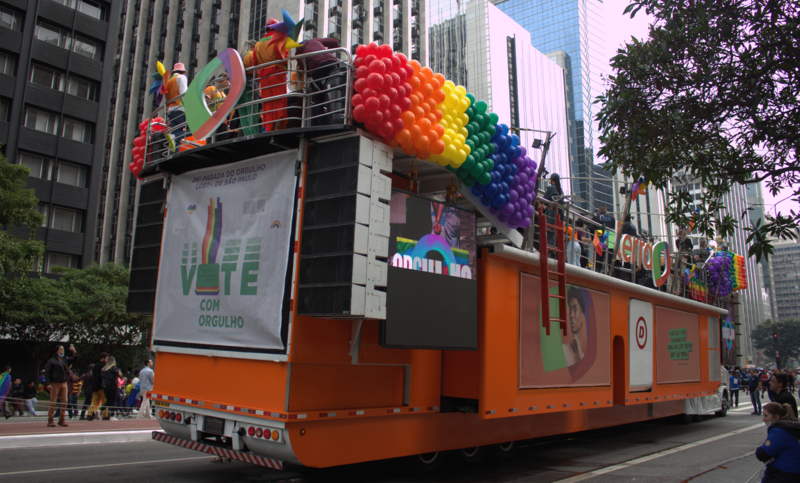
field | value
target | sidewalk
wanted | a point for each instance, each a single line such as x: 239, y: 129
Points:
x: 34, y: 432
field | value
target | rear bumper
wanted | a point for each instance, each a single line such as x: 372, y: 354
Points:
x: 217, y: 451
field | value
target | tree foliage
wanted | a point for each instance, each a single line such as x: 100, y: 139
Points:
x: 17, y: 208
x: 788, y: 338
x: 713, y: 93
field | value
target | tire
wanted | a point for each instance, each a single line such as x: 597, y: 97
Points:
x: 470, y: 456
x: 697, y: 418
x: 503, y: 451
x: 683, y: 419
x: 423, y: 464
x: 724, y: 411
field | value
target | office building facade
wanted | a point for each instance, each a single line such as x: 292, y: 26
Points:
x: 785, y: 265
x: 570, y: 32
x: 56, y: 61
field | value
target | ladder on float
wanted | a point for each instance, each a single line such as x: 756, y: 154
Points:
x: 560, y: 272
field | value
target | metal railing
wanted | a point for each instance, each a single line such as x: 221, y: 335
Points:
x: 682, y: 262
x: 301, y: 97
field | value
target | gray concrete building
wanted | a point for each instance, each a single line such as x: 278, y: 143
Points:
x: 785, y: 268
x: 57, y: 60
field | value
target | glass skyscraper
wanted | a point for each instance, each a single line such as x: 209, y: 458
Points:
x: 568, y: 31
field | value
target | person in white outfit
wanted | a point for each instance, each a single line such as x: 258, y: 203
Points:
x: 146, y: 377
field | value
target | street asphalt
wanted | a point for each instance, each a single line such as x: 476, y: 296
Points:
x: 714, y: 450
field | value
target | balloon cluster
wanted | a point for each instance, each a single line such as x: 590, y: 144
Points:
x: 719, y: 269
x: 510, y: 190
x: 422, y: 134
x: 140, y: 143
x: 455, y: 102
x: 738, y: 273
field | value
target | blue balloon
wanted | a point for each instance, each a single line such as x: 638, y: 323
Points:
x: 498, y: 200
x: 476, y: 189
x: 505, y: 129
x: 514, y: 140
x: 513, y: 169
x: 517, y: 151
x: 486, y: 202
x: 495, y: 175
x: 490, y: 189
x: 503, y: 187
x: 508, y: 180
x: 496, y: 148
x: 502, y: 159
x: 498, y: 130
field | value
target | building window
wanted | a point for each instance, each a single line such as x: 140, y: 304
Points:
x: 10, y: 19
x: 312, y: 18
x: 81, y: 88
x: 71, y: 174
x: 6, y: 64
x: 4, y: 108
x: 52, y: 35
x: 41, y: 120
x: 87, y: 48
x: 40, y: 167
x: 92, y: 9
x: 44, y: 209
x: 77, y: 131
x: 60, y: 260
x: 49, y: 78
x: 67, y: 220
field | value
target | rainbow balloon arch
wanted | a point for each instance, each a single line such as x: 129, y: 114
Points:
x: 430, y: 117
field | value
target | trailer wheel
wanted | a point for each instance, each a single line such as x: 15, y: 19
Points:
x: 724, y: 411
x: 684, y: 419
x: 471, y: 456
x: 503, y: 451
x: 422, y: 464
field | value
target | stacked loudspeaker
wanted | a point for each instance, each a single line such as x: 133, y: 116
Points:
x: 146, y: 248
x: 345, y: 237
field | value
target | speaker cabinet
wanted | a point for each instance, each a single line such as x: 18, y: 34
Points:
x: 146, y: 248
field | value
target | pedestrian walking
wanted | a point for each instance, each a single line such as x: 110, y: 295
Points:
x: 56, y: 375
x: 98, y: 395
x: 754, y: 386
x: 146, y: 378
x: 777, y: 384
x: 15, y: 400
x: 781, y: 450
x: 734, y: 386
x: 72, y: 407
x: 110, y: 378
x: 87, y: 390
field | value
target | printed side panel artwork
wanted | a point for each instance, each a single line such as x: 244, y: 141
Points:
x: 580, y: 358
x: 225, y: 252
x: 677, y: 346
x: 640, y: 345
x: 728, y: 340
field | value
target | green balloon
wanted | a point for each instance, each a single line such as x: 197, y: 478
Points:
x: 471, y: 99
x: 470, y: 112
x: 450, y: 168
x: 485, y: 178
x: 491, y: 149
x: 480, y: 119
x: 488, y: 164
x: 493, y: 118
x: 468, y: 163
x: 483, y: 138
x: 475, y: 139
x: 469, y: 183
x: 481, y: 106
x: 461, y: 173
x: 479, y: 151
x: 471, y: 145
x: 470, y: 130
x: 476, y: 170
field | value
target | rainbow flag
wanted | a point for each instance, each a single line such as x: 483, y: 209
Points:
x: 213, y: 231
x: 5, y: 386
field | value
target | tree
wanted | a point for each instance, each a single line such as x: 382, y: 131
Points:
x: 17, y: 208
x: 714, y: 93
x: 788, y: 338
x: 36, y: 312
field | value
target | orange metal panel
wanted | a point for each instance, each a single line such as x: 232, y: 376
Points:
x: 460, y: 374
x: 329, y: 387
x: 239, y: 382
x: 320, y: 340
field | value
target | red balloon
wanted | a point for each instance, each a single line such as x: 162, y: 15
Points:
x: 387, y: 80
x: 395, y: 63
x: 143, y: 125
x: 362, y: 72
x: 375, y: 80
x: 138, y: 141
x: 360, y: 113
x: 385, y: 129
x: 377, y: 67
x: 369, y: 93
x: 409, y: 70
x: 384, y: 101
x: 372, y: 48
x: 375, y: 117
x: 388, y: 63
x: 395, y: 79
x: 369, y: 59
x: 361, y: 50
x: 397, y: 126
x: 402, y: 57
x: 358, y: 62
x: 372, y: 104
x: 392, y: 93
x: 158, y: 119
x: 357, y: 100
x: 387, y: 116
x: 385, y: 50
x: 360, y: 85
x: 158, y: 127
x: 408, y: 88
x: 404, y: 103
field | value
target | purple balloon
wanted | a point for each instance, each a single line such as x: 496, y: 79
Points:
x: 521, y: 189
x: 493, y: 211
x: 525, y: 223
x: 529, y: 197
x: 515, y: 219
x: 532, y: 165
x: 531, y: 184
x: 516, y: 180
x: 513, y: 195
x: 502, y: 217
x: 519, y: 163
x: 507, y: 209
x: 523, y: 151
x: 529, y: 211
x: 523, y: 177
x: 519, y: 206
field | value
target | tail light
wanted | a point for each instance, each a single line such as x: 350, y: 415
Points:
x: 172, y: 417
x: 251, y: 431
x: 259, y: 432
x: 178, y: 417
x: 275, y: 435
x: 161, y: 413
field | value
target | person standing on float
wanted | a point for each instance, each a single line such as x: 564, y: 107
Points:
x: 176, y: 87
x: 272, y: 79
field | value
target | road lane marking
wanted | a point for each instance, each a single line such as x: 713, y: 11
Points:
x: 102, y: 466
x: 644, y: 459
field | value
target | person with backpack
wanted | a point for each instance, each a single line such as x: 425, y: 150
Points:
x: 56, y: 376
x: 98, y: 395
x: 781, y: 450
x: 109, y: 376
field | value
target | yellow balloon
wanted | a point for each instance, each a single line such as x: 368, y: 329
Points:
x: 464, y: 119
x: 458, y: 122
x: 450, y: 83
x: 461, y: 138
x: 456, y: 164
x: 447, y: 118
x: 461, y: 156
x: 457, y: 144
x: 467, y: 149
x: 463, y: 105
x: 462, y: 90
x: 447, y: 140
x: 463, y: 131
x: 442, y: 161
x: 451, y: 101
x: 447, y: 89
x: 450, y: 132
x: 449, y: 151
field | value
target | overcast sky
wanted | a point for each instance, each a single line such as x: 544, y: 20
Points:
x: 620, y: 28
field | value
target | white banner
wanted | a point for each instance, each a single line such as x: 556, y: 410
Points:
x: 224, y: 254
x: 640, y: 345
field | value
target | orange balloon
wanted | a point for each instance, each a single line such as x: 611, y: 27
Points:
x: 416, y: 132
x: 414, y: 81
x: 431, y: 117
x: 423, y: 154
x: 408, y: 119
x: 426, y: 89
x: 439, y: 114
x: 434, y: 82
x: 423, y: 144
x: 427, y: 72
x: 403, y: 136
x: 393, y: 143
x: 439, y: 131
x: 414, y: 100
x: 424, y: 124
x: 437, y: 147
x: 418, y: 112
x: 408, y: 148
x: 432, y: 103
x: 414, y: 65
x: 433, y: 136
x: 426, y: 108
x: 440, y: 78
x: 439, y: 96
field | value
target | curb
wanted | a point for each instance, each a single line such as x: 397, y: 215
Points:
x: 60, y: 439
